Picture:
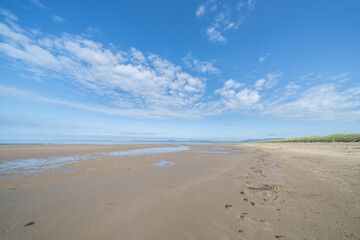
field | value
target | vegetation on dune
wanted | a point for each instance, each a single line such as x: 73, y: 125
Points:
x: 355, y: 137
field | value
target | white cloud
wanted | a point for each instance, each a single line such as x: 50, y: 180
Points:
x: 137, y: 56
x: 200, y: 10
x: 342, y: 77
x: 263, y: 58
x: 200, y: 66
x: 137, y: 84
x: 92, y: 31
x: 268, y: 82
x: 222, y: 17
x: 240, y: 5
x: 58, y: 19
x: 251, y: 4
x: 259, y: 83
x: 291, y: 89
x: 215, y: 36
x: 321, y: 103
x: 38, y: 4
x: 8, y: 15
x: 147, y: 81
x: 235, y: 99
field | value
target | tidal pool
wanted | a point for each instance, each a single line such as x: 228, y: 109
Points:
x: 163, y: 164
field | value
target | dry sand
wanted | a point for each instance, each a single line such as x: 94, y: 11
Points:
x: 213, y: 191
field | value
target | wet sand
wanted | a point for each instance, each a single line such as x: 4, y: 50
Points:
x: 211, y: 191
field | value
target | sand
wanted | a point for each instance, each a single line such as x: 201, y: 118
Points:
x: 213, y: 191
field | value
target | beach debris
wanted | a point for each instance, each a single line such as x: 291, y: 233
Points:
x: 244, y: 213
x: 246, y: 200
x: 29, y: 224
x: 242, y: 192
x: 228, y: 206
x: 262, y: 220
x: 111, y: 203
x: 278, y: 236
x: 241, y: 231
x: 252, y: 203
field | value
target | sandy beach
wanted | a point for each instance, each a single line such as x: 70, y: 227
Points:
x: 202, y: 191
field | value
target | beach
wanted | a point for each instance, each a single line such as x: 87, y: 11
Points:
x: 187, y: 191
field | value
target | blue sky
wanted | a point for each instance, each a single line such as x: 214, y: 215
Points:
x: 157, y: 70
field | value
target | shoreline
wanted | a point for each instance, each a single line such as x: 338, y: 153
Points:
x: 14, y: 152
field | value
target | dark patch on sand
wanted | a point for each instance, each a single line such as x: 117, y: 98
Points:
x: 29, y: 224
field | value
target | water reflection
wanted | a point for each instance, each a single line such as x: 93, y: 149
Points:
x: 163, y: 164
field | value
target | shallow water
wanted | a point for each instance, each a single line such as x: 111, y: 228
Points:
x: 216, y: 152
x: 36, y: 165
x: 147, y: 151
x: 163, y: 164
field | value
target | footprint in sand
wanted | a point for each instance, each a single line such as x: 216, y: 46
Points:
x: 241, y: 217
x: 260, y: 172
x: 261, y: 187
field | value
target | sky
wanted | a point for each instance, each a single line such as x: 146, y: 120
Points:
x: 189, y: 70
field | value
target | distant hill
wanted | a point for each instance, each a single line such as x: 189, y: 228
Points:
x: 355, y: 137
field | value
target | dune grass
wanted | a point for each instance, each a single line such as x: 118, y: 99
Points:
x: 355, y: 137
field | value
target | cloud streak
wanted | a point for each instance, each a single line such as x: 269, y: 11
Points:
x: 37, y: 3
